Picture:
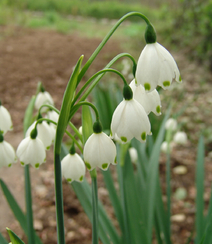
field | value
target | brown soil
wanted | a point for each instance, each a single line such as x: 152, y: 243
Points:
x: 30, y: 56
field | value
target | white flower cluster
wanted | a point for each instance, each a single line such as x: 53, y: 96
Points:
x: 178, y: 137
x: 7, y: 152
x: 39, y: 136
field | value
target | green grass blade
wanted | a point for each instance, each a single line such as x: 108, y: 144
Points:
x: 114, y: 197
x: 199, y: 220
x: 208, y: 222
x: 161, y: 216
x: 18, y: 213
x: 152, y: 178
x: 3, y: 240
x: 14, y: 238
x: 136, y: 217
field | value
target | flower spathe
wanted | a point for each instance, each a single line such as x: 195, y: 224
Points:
x: 156, y: 67
x: 99, y: 151
x: 73, y: 168
x: 7, y: 154
x: 130, y: 120
x: 150, y: 101
x: 5, y: 120
x: 31, y: 151
x: 45, y: 133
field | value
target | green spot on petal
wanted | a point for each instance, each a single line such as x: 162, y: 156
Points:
x: 9, y: 165
x: 47, y: 148
x: 143, y: 136
x: 158, y: 109
x: 69, y: 180
x: 81, y: 178
x: 123, y: 138
x: 22, y: 163
x: 88, y: 165
x: 180, y: 78
x: 104, y: 166
x: 147, y: 86
x: 136, y: 82
x: 115, y: 162
x: 37, y: 165
x: 166, y: 83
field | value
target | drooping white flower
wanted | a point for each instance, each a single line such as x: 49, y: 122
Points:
x: 156, y: 67
x: 150, y: 101
x: 45, y: 133
x: 171, y: 124
x: 7, y: 153
x: 52, y: 115
x: 73, y: 168
x: 99, y: 151
x: 180, y: 137
x: 130, y: 120
x: 42, y: 98
x: 5, y: 120
x: 31, y: 151
x: 166, y: 147
x: 133, y: 154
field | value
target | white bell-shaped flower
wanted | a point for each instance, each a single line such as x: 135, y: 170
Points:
x: 31, y: 150
x: 52, y: 115
x: 45, y: 133
x: 43, y: 98
x: 171, y: 124
x: 180, y: 138
x: 150, y: 101
x: 156, y: 67
x: 166, y: 147
x: 73, y: 168
x: 7, y: 153
x: 5, y: 120
x: 133, y: 154
x: 99, y: 151
x: 130, y: 120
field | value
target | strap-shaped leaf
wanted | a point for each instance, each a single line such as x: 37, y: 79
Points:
x: 3, y: 240
x: 18, y: 213
x: 14, y: 238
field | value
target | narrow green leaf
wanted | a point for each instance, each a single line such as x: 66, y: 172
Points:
x: 199, y: 220
x: 14, y: 238
x: 3, y: 240
x: 109, y: 182
x: 135, y: 213
x: 18, y: 213
x: 208, y: 223
x: 152, y: 173
x: 64, y: 116
x: 28, y: 117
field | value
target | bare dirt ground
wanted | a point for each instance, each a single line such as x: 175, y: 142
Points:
x: 29, y: 56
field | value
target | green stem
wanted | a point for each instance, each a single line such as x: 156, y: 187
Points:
x: 107, y: 37
x: 95, y: 224
x: 78, y: 105
x: 58, y: 112
x: 105, y: 70
x: 29, y: 212
x: 168, y: 193
x: 59, y: 199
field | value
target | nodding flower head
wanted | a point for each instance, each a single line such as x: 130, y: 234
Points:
x: 31, y: 150
x: 156, y: 67
x: 5, y: 120
x: 99, y: 150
